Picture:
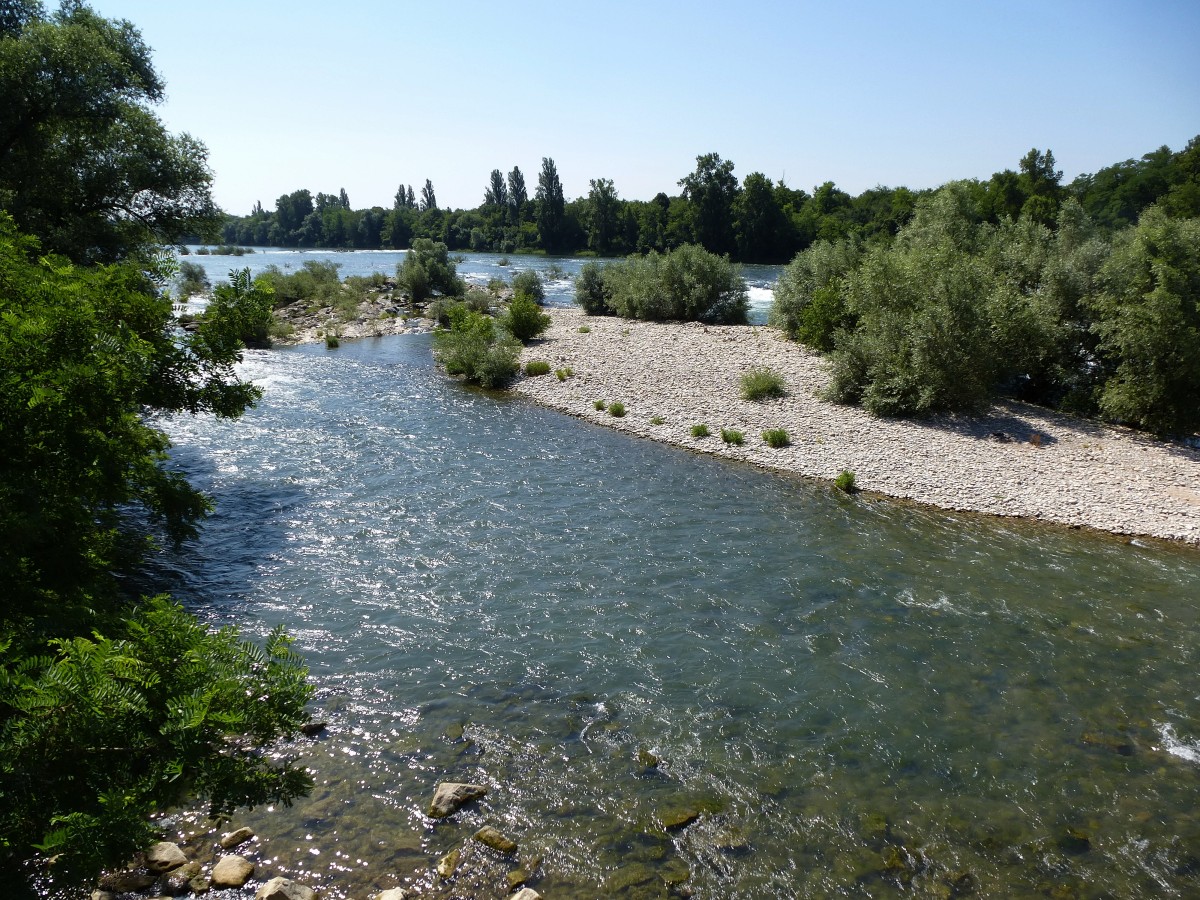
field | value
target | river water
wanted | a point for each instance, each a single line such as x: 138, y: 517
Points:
x: 845, y: 696
x: 558, y: 272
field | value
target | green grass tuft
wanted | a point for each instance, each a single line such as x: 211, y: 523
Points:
x: 761, y: 383
x: 616, y: 409
x: 845, y: 482
x: 733, y: 436
x: 776, y: 437
x: 600, y: 405
x: 699, y: 431
x: 658, y: 420
x: 536, y: 367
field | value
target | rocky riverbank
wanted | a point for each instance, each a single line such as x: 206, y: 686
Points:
x: 1017, y: 460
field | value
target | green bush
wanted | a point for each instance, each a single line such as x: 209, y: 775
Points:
x: 687, y: 284
x: 478, y: 301
x: 761, y: 383
x: 316, y: 284
x: 564, y: 373
x: 428, y: 270
x: 475, y: 348
x: 776, y: 437
x: 732, y: 436
x: 192, y: 279
x: 528, y: 283
x: 584, y: 329
x: 617, y: 409
x: 600, y: 405
x: 591, y: 292
x: 810, y: 301
x: 536, y: 367
x: 524, y: 319
x: 845, y: 482
x: 332, y: 341
x: 700, y: 431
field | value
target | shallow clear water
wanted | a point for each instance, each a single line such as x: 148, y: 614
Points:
x: 857, y: 697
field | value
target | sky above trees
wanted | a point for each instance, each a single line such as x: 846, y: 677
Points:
x: 369, y: 94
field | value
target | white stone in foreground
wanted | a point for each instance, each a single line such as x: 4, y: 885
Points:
x: 285, y: 889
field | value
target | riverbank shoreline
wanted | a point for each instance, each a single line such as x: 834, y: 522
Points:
x: 1017, y: 460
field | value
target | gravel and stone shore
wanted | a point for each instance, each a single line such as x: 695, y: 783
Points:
x: 1017, y: 460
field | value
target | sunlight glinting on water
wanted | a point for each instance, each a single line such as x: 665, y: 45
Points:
x: 837, y: 696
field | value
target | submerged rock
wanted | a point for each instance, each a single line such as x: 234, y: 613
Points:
x: 231, y: 872
x: 179, y: 881
x: 448, y: 864
x: 490, y: 837
x: 675, y: 819
x: 449, y: 796
x: 526, y: 894
x: 235, y: 838
x: 164, y: 856
x: 285, y: 889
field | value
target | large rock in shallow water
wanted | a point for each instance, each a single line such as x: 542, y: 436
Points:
x: 231, y: 872
x: 164, y: 857
x: 285, y: 889
x: 490, y: 837
x: 449, y: 796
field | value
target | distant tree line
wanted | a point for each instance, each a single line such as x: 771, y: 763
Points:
x: 756, y: 220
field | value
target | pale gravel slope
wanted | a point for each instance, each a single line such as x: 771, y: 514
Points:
x: 1082, y: 474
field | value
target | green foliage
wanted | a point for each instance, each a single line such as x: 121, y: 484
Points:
x: 845, y: 482
x: 239, y: 313
x: 529, y: 284
x: 85, y: 164
x: 584, y: 329
x: 761, y: 383
x: 332, y: 340
x: 733, y: 436
x: 686, y: 284
x: 564, y: 373
x: 657, y: 420
x: 475, y: 348
x: 427, y: 270
x: 776, y: 437
x: 1149, y: 326
x: 617, y: 409
x: 536, y: 367
x: 316, y: 284
x: 105, y: 712
x: 810, y: 297
x: 101, y: 730
x: 700, y: 431
x: 600, y: 405
x: 592, y: 292
x: 524, y: 319
x: 192, y: 279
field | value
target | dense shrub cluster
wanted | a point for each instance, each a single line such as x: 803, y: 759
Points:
x: 687, y: 284
x: 427, y: 270
x: 958, y: 310
x: 477, y: 348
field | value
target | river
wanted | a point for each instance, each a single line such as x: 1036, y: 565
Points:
x: 841, y: 697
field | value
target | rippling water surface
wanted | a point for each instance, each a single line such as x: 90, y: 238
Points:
x: 842, y: 697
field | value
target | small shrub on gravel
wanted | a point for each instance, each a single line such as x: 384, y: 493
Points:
x: 761, y: 383
x: 616, y: 409
x: 699, y: 431
x: 584, y: 329
x: 536, y: 367
x: 600, y: 406
x: 658, y: 420
x: 845, y: 482
x: 564, y: 374
x: 776, y: 437
x: 733, y: 436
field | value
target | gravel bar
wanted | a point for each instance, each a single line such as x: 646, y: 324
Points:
x: 1017, y: 460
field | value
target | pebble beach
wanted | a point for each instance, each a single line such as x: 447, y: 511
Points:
x: 1015, y: 460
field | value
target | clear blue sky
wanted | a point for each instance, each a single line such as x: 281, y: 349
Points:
x: 363, y: 95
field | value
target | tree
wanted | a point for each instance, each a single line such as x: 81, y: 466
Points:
x: 603, y: 216
x: 428, y: 198
x: 518, y: 196
x: 1149, y: 325
x: 427, y: 270
x: 111, y: 706
x: 343, y: 199
x: 496, y: 193
x: 711, y: 191
x: 85, y: 164
x: 759, y: 222
x: 551, y: 207
x: 687, y: 284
